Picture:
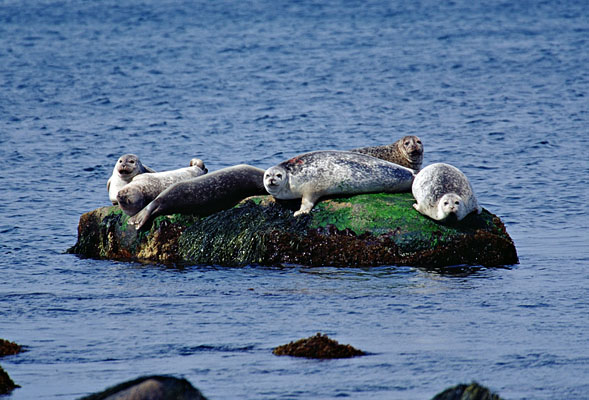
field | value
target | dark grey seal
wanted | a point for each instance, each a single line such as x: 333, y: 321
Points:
x: 407, y: 151
x: 205, y: 195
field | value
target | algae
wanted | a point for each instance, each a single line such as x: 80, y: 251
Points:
x: 361, y: 230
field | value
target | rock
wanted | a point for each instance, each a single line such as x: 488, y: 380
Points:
x: 474, y: 391
x: 318, y: 346
x: 8, y: 348
x: 6, y: 384
x: 363, y: 230
x: 150, y: 388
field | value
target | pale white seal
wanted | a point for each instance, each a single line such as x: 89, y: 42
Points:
x: 146, y: 187
x: 127, y: 167
x: 442, y: 191
x: 313, y: 175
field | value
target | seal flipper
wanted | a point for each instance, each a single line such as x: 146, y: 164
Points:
x: 140, y: 219
x: 307, y: 204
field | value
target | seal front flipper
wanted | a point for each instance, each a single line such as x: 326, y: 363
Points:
x: 307, y: 204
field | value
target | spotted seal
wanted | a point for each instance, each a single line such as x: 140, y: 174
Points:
x: 206, y: 194
x: 407, y: 151
x: 321, y: 173
x: 442, y: 191
x: 127, y: 167
x: 146, y: 187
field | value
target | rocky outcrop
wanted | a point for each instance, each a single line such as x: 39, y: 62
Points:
x: 155, y: 387
x: 474, y: 391
x: 7, y: 348
x: 318, y: 346
x: 363, y: 230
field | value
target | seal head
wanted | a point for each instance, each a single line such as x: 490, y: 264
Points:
x: 127, y: 167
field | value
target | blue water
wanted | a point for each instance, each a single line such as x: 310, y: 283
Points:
x: 499, y: 89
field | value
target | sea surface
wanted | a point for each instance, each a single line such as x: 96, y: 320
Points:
x: 499, y: 89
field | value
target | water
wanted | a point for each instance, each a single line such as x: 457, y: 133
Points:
x: 497, y: 89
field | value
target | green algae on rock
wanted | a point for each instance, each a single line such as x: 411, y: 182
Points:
x: 362, y: 230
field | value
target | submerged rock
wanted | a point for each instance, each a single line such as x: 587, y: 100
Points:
x: 6, y: 384
x: 150, y: 388
x: 474, y: 391
x: 8, y: 348
x: 362, y: 230
x: 318, y: 346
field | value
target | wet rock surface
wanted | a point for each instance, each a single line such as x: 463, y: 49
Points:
x: 473, y: 391
x: 318, y: 346
x: 155, y: 387
x: 7, y: 348
x: 363, y: 230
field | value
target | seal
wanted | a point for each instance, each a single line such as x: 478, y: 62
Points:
x: 407, y: 151
x: 197, y: 162
x: 145, y: 187
x: 127, y: 167
x: 206, y: 194
x: 313, y: 175
x: 443, y: 192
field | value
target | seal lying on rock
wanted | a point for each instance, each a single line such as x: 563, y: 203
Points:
x: 127, y: 167
x: 146, y: 187
x: 313, y: 175
x: 442, y: 191
x: 205, y: 195
x: 407, y: 151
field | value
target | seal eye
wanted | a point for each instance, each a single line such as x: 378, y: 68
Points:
x: 407, y: 143
x: 279, y: 176
x: 456, y: 202
x: 445, y: 203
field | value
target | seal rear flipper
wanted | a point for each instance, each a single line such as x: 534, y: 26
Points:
x: 142, y: 217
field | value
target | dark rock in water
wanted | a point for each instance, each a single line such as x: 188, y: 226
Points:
x: 6, y: 384
x: 363, y: 230
x: 474, y: 391
x: 8, y: 348
x: 150, y: 388
x: 318, y: 346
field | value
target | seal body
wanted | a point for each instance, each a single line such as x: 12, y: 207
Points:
x: 317, y: 174
x: 206, y: 194
x: 407, y: 151
x: 145, y: 187
x: 442, y: 191
x: 127, y: 167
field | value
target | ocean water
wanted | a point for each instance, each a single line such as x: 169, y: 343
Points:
x: 499, y: 89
